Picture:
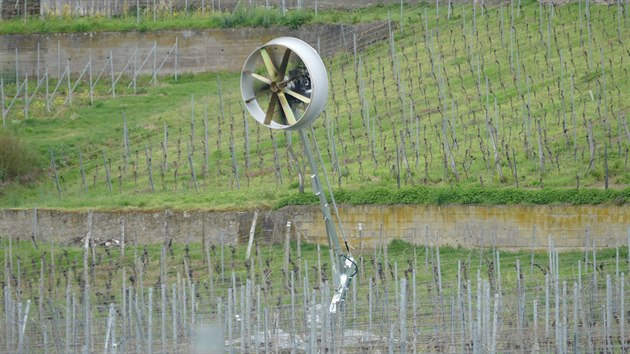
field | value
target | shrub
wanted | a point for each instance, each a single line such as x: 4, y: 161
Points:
x: 17, y: 162
x: 473, y: 195
x: 295, y: 19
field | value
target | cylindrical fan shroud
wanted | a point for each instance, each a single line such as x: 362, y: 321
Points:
x: 264, y: 66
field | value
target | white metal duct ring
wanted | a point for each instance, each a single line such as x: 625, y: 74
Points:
x: 284, y: 84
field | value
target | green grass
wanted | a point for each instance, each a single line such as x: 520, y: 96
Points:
x: 368, y: 113
x: 180, y: 19
x: 473, y: 195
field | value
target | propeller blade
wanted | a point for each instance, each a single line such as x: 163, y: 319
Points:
x: 261, y: 91
x: 288, y: 112
x: 297, y: 95
x: 284, y: 64
x: 259, y: 77
x: 271, y: 69
x: 271, y: 108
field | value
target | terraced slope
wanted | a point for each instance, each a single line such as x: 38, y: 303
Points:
x: 503, y: 96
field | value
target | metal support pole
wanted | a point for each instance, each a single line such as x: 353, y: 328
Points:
x: 344, y: 268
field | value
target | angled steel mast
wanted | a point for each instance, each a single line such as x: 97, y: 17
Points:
x: 344, y: 267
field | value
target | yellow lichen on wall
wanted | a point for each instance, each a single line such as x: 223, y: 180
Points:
x: 509, y: 227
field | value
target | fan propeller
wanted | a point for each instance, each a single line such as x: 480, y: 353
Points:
x: 284, y: 84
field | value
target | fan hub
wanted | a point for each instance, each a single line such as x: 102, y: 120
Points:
x: 276, y: 87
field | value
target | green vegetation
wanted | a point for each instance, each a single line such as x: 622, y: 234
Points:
x: 469, y: 195
x: 178, y: 19
x: 17, y: 161
x: 460, y: 102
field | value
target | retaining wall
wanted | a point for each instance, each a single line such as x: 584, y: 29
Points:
x: 196, y: 51
x: 507, y: 227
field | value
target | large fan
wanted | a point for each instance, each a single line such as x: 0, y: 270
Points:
x: 284, y: 84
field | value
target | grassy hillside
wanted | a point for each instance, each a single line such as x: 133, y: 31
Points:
x: 165, y: 19
x: 497, y: 97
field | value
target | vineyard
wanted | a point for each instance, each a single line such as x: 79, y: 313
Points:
x: 513, y: 102
x: 115, y: 296
x: 519, y: 95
